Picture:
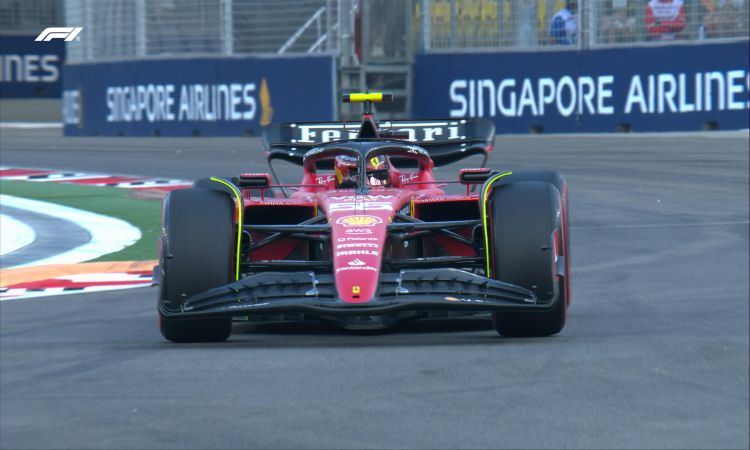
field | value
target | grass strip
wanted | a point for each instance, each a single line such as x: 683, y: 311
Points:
x: 133, y: 207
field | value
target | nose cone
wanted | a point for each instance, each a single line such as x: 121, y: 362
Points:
x: 357, y: 241
x: 358, y: 235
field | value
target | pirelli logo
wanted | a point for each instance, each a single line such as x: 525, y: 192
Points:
x: 66, y: 33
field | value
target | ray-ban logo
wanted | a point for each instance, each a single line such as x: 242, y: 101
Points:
x: 67, y: 33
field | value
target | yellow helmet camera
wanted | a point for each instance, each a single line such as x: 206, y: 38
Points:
x: 358, y: 97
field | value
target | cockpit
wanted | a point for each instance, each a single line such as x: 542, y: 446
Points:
x: 366, y: 165
x: 377, y: 172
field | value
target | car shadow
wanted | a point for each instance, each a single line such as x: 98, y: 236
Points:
x: 424, y: 332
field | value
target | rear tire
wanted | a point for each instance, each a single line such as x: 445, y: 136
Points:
x: 525, y: 212
x: 197, y: 255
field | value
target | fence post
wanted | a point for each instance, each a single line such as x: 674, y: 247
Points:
x: 501, y: 29
x: 426, y: 24
x: 227, y: 27
x: 453, y: 23
x: 88, y: 14
x: 525, y: 18
x: 587, y: 34
x: 345, y: 32
x: 140, y: 28
x: 329, y: 25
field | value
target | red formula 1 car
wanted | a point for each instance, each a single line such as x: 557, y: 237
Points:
x: 367, y: 238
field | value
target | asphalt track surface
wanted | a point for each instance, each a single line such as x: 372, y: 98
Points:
x: 655, y: 353
x: 47, y: 242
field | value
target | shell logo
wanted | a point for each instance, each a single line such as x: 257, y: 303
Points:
x: 359, y: 221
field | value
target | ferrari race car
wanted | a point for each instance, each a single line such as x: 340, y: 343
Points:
x: 368, y: 237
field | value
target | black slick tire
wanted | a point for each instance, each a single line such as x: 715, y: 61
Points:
x: 524, y: 214
x: 197, y: 255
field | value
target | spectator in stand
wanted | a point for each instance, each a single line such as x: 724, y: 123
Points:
x: 724, y: 18
x: 564, y: 28
x: 619, y: 26
x: 665, y: 19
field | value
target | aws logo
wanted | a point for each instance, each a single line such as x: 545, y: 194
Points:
x: 359, y: 221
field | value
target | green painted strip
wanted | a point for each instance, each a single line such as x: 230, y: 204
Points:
x: 239, y: 222
x: 486, y: 189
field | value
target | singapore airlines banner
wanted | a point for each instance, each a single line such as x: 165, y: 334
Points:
x: 196, y: 97
x: 677, y: 87
x: 30, y: 69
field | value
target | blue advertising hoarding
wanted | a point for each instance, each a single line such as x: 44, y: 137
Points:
x: 191, y: 97
x: 30, y: 69
x: 677, y: 87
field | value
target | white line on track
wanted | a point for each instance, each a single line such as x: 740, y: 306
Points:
x: 31, y: 125
x: 660, y: 225
x: 53, y: 177
x: 22, y: 294
x: 14, y: 235
x: 108, y: 234
x: 712, y: 134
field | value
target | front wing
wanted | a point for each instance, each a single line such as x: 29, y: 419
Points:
x: 315, y: 294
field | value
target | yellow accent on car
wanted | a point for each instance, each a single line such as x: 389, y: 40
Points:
x: 239, y: 222
x: 358, y: 97
x: 355, y: 290
x: 371, y: 97
x: 483, y: 200
x: 359, y: 220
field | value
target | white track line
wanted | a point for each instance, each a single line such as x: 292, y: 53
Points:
x: 70, y: 177
x: 659, y: 225
x: 150, y: 184
x: 14, y: 234
x: 108, y: 234
x: 21, y: 294
x: 52, y: 177
x: 31, y: 125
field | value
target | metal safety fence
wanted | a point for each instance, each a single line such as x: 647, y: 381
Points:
x: 376, y: 30
x: 125, y: 29
x: 528, y: 24
x: 29, y: 17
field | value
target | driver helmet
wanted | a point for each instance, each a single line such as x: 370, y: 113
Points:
x: 346, y: 171
x: 378, y: 173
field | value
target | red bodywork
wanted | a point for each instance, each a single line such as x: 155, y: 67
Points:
x: 359, y: 239
x: 379, y: 241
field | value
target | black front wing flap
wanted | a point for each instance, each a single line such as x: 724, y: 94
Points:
x: 315, y: 294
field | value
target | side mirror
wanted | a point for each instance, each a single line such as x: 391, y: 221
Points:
x: 474, y: 176
x: 254, y: 180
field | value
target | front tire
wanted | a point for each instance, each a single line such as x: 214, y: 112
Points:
x: 197, y: 255
x: 526, y: 215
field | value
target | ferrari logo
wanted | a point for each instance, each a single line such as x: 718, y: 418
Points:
x: 355, y: 290
x: 359, y: 221
x: 376, y: 162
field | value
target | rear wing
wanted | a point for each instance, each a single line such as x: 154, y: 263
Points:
x: 446, y: 141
